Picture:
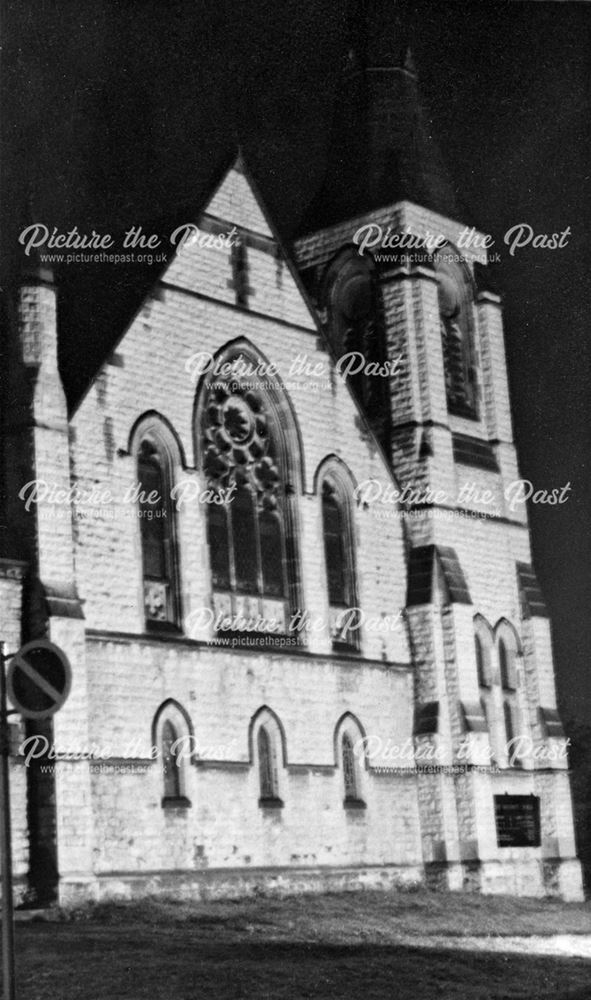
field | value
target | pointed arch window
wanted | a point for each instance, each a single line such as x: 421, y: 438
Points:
x: 507, y: 653
x: 457, y: 334
x: 251, y: 536
x: 267, y: 741
x: 157, y: 533
x: 170, y: 733
x: 356, y: 330
x: 483, y: 646
x: 339, y: 548
x: 347, y: 735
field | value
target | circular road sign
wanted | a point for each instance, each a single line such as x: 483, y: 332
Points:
x: 39, y: 679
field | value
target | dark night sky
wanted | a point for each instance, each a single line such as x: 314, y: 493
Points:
x: 121, y: 113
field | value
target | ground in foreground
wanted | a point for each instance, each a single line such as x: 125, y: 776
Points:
x: 400, y: 946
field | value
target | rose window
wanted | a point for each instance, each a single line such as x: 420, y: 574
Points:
x: 239, y: 449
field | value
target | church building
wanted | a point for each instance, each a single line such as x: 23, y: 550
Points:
x: 280, y: 540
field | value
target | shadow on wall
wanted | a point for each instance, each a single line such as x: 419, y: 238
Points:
x: 580, y: 762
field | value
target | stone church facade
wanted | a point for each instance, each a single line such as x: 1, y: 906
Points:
x: 308, y: 645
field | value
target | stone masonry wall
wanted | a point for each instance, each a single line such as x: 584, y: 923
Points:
x: 129, y: 678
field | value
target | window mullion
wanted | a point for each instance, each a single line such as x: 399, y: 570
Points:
x: 260, y: 580
x: 231, y: 553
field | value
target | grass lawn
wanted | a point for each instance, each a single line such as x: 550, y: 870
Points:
x: 360, y: 946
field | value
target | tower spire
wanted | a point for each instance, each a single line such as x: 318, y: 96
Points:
x: 382, y: 148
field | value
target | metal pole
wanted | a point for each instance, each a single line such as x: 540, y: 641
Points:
x: 5, y: 843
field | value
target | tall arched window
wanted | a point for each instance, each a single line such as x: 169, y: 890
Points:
x: 496, y: 663
x: 248, y: 450
x: 157, y: 528
x: 483, y: 646
x: 152, y: 506
x: 513, y: 719
x: 356, y: 331
x: 334, y: 549
x: 507, y: 652
x: 339, y: 552
x: 457, y: 333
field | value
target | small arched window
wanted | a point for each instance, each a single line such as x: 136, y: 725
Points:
x: 157, y: 532
x: 349, y: 759
x: 339, y: 549
x: 457, y: 333
x: 172, y: 736
x: 266, y: 742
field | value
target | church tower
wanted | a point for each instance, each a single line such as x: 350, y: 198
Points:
x: 402, y: 290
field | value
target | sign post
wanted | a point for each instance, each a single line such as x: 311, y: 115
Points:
x: 38, y: 683
x: 8, y: 982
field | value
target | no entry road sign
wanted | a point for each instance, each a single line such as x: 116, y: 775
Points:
x: 39, y: 679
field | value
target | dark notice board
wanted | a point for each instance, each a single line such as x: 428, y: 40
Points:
x: 518, y: 820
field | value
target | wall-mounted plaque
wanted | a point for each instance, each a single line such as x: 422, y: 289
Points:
x: 518, y: 820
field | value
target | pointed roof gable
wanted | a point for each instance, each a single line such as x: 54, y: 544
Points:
x: 238, y: 200
x: 235, y: 212
x: 233, y: 201
x: 200, y: 261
